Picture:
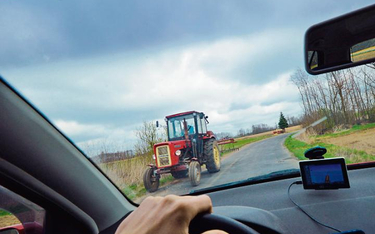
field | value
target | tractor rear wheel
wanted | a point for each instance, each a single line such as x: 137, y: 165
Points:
x: 150, y: 181
x: 180, y: 174
x: 212, y: 152
x: 195, y: 173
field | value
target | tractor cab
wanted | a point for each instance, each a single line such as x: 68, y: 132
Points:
x: 196, y: 124
x: 189, y: 146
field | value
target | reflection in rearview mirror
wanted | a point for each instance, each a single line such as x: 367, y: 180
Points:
x: 313, y: 59
x: 363, y: 51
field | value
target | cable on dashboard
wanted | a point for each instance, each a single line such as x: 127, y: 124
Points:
x: 315, y: 220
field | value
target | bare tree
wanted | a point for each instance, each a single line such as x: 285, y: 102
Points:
x: 147, y: 135
x: 259, y: 128
x: 345, y: 97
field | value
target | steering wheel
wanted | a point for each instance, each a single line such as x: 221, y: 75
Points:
x: 206, y: 222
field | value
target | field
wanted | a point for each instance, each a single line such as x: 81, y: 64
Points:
x: 240, y: 142
x: 356, y: 144
x: 7, y: 219
x: 364, y: 54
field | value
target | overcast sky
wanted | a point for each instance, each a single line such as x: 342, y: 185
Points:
x: 98, y: 69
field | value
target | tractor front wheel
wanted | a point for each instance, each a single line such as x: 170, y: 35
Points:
x: 179, y: 174
x: 195, y: 173
x: 212, y: 152
x: 150, y: 181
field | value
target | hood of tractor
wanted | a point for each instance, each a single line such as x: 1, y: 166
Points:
x: 165, y: 153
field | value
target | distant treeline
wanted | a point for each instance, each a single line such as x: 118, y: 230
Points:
x: 106, y: 157
x: 258, y: 128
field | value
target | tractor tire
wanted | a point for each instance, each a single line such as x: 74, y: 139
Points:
x: 212, y: 152
x: 150, y: 182
x: 195, y: 173
x: 180, y: 174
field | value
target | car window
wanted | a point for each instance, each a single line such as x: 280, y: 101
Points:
x: 18, y: 213
x: 230, y: 74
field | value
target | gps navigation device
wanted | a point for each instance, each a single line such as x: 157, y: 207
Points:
x: 324, y: 174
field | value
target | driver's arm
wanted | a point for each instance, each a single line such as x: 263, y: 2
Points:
x: 166, y: 215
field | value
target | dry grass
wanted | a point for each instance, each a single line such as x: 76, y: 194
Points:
x: 340, y: 128
x: 360, y: 140
x: 128, y: 175
x: 8, y: 220
x: 352, y: 156
x: 308, y: 136
x: 126, y: 172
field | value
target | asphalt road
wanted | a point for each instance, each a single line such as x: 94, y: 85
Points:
x: 256, y: 159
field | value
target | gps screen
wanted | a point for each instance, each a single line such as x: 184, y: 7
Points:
x: 324, y: 174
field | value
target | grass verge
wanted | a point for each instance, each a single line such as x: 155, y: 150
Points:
x: 4, y: 213
x: 242, y: 142
x: 355, y: 128
x: 351, y: 155
x: 137, y: 190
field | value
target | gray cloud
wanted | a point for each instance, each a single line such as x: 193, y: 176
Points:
x: 37, y: 31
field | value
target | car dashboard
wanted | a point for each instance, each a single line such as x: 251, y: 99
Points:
x: 267, y: 207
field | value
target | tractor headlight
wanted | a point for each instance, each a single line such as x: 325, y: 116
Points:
x: 153, y: 156
x: 178, y: 152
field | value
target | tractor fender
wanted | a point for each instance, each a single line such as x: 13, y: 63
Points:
x: 210, y: 135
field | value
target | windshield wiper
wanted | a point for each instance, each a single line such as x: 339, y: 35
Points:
x: 278, y: 175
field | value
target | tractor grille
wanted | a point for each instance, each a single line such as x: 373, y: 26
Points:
x: 163, y: 156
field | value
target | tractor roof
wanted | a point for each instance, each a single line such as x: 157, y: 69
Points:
x: 182, y: 114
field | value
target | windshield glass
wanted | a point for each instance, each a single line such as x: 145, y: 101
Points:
x: 105, y: 72
x: 176, y: 126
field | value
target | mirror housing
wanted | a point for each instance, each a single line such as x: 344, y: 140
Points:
x: 342, y: 42
x: 9, y: 231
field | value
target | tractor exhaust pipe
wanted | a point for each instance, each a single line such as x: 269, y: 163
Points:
x: 186, y: 131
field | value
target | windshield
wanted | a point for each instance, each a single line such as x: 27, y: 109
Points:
x: 233, y: 71
x: 176, y: 126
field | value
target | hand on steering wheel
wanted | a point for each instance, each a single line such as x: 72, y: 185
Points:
x: 206, y: 222
x: 173, y: 215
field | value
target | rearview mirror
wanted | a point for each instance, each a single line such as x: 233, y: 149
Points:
x: 342, y: 42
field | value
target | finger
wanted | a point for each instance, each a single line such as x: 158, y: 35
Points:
x: 215, y: 232
x: 198, y: 204
x: 203, y: 204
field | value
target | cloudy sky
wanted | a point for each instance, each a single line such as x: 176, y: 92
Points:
x: 98, y: 69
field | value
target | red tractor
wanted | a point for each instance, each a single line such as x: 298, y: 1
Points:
x: 189, y: 146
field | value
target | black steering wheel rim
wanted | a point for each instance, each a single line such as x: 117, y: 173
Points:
x: 206, y: 222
